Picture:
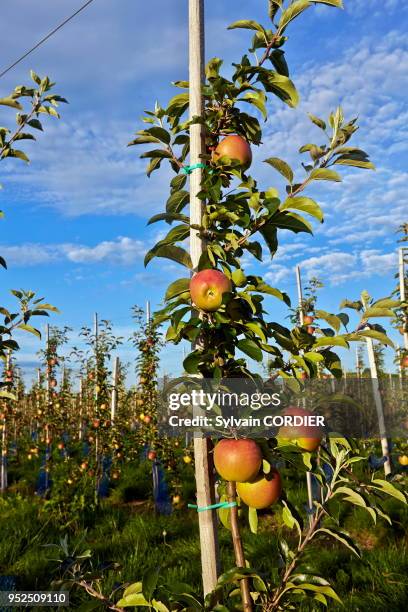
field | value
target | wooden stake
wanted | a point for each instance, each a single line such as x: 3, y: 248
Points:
x: 378, y: 405
x: 238, y: 548
x: 80, y: 401
x: 301, y: 318
x: 402, y: 252
x: 203, y: 464
x: 114, y: 398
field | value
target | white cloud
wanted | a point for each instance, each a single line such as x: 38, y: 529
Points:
x: 122, y: 251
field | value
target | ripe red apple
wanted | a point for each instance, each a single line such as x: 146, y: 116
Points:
x: 262, y: 492
x: 310, y: 329
x: 307, y: 438
x: 96, y: 423
x: 237, y: 460
x: 53, y: 382
x: 234, y: 147
x: 207, y: 288
x: 147, y: 419
x: 151, y: 455
x: 404, y: 361
x: 308, y: 320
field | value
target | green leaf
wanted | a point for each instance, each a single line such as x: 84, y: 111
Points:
x: 192, y: 361
x: 247, y: 24
x: 159, y: 606
x: 335, y: 3
x: 136, y: 587
x: 386, y: 303
x: 253, y: 520
x: 168, y: 217
x: 250, y: 348
x: 177, y: 201
x: 389, y: 489
x: 36, y: 124
x: 18, y: 154
x: 258, y: 99
x: 313, y: 357
x: 319, y: 122
x: 265, y: 288
x: 134, y: 600
x: 10, y: 102
x: 376, y: 335
x: 332, y: 341
x: 254, y: 327
x: 281, y: 86
x: 179, y: 286
x: 342, y: 537
x: 282, y: 167
x: 323, y: 174
x: 291, y: 221
x: 178, y: 105
x: 293, y: 11
x: 353, y: 305
x: 304, y: 204
x: 171, y: 252
x: 156, y: 153
x: 160, y: 133
x: 238, y: 277
x: 30, y: 329
x: 376, y: 311
x: 357, y: 163
x: 331, y: 319
x: 277, y: 58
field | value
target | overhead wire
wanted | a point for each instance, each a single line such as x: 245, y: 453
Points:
x: 47, y: 37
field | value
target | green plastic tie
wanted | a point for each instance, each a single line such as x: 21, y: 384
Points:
x: 189, y: 169
x: 213, y: 506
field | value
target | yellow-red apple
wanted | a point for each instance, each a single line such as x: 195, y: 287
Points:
x: 306, y: 437
x: 262, y: 492
x: 235, y: 147
x: 237, y: 460
x: 207, y: 288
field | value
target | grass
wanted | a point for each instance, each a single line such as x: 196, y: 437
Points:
x: 140, y: 541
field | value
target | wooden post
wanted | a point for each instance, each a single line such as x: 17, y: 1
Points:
x: 148, y: 315
x: 96, y: 396
x: 114, y: 397
x: 3, y: 471
x: 301, y: 319
x: 402, y: 252
x: 378, y: 405
x: 80, y: 402
x: 49, y: 404
x: 203, y: 463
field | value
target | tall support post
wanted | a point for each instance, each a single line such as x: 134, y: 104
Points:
x: 3, y: 465
x: 148, y: 313
x: 203, y: 460
x: 81, y: 407
x: 403, y: 296
x: 49, y: 405
x: 96, y: 394
x: 114, y: 397
x: 379, y: 406
x: 301, y: 320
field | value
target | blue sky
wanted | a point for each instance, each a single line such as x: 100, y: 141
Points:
x: 75, y: 227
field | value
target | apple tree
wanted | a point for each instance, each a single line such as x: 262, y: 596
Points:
x: 222, y: 309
